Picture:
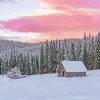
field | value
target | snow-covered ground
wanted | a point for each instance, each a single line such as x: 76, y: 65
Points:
x: 51, y: 87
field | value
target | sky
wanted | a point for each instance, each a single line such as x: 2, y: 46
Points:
x: 39, y: 20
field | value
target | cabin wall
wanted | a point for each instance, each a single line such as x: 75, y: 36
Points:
x: 62, y: 72
x: 75, y: 74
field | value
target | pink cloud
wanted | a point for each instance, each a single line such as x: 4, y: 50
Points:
x: 54, y: 23
x: 75, y: 3
x: 72, y: 7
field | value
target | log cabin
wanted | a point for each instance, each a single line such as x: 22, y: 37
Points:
x: 71, y: 69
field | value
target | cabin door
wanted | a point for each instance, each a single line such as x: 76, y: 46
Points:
x: 63, y: 73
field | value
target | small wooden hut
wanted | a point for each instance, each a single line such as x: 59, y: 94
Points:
x: 71, y: 69
x: 14, y: 73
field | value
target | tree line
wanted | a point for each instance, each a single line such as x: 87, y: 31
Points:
x: 52, y: 53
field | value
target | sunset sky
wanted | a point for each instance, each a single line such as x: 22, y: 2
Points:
x: 38, y: 20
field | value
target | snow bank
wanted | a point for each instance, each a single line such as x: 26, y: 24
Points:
x: 51, y: 87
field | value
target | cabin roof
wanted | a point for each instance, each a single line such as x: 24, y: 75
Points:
x: 74, y: 66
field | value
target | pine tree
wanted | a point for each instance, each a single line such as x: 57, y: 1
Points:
x: 21, y: 63
x: 59, y: 52
x: 73, y: 55
x: 53, y: 57
x: 10, y: 60
x: 42, y: 60
x: 3, y: 68
x: 0, y: 64
x: 85, y: 53
x: 98, y: 52
x: 55, y: 52
x: 91, y: 52
x: 28, y: 70
x: 24, y: 66
x: 46, y: 57
x: 63, y: 52
x: 33, y: 69
x: 79, y: 53
x: 37, y: 65
x: 6, y: 66
x: 85, y: 58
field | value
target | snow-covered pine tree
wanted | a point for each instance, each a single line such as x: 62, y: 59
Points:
x: 63, y: 52
x: 21, y: 63
x: 28, y: 69
x: 51, y: 49
x: 85, y: 53
x: 73, y: 55
x: 32, y: 65
x: 37, y: 65
x: 79, y: 55
x: 24, y: 65
x: 98, y: 51
x: 46, y: 57
x: 91, y: 52
x: 55, y: 60
x: 53, y: 56
x: 42, y: 59
x: 59, y: 51
x: 0, y: 64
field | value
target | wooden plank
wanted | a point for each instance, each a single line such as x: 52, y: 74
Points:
x: 18, y: 77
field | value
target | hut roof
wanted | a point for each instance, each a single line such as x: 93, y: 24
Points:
x: 74, y: 66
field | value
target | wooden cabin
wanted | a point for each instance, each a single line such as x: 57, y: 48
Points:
x: 71, y: 69
x: 14, y: 73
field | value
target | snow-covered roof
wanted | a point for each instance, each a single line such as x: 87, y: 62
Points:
x: 74, y: 66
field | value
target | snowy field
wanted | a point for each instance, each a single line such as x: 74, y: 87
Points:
x: 51, y: 87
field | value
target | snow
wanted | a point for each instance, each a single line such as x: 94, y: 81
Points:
x: 74, y: 66
x: 51, y: 87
